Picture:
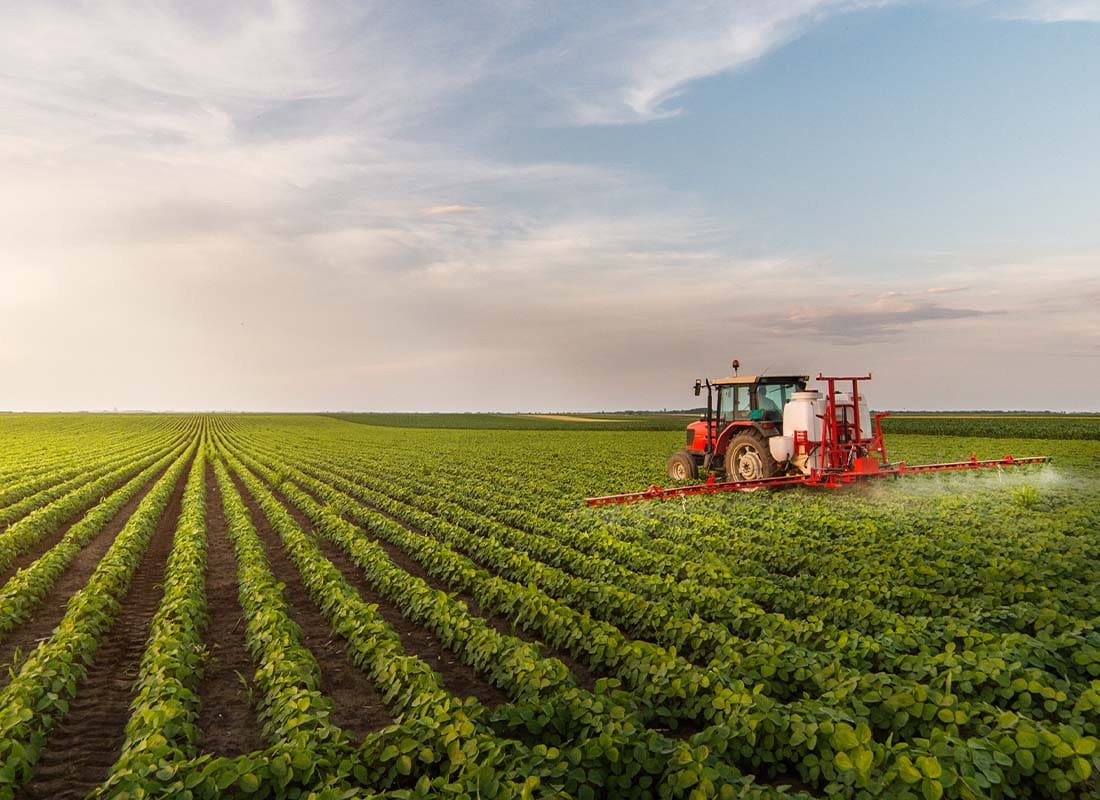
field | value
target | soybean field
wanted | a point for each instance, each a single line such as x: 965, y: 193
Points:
x: 203, y: 606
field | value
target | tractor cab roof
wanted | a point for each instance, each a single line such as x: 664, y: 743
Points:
x: 740, y: 380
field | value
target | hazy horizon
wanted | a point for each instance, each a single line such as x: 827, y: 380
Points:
x: 513, y: 205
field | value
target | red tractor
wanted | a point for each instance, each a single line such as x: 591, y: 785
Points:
x: 769, y: 431
x: 733, y: 436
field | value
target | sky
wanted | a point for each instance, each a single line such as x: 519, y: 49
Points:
x: 526, y: 206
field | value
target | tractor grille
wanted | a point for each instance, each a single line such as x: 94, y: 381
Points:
x: 690, y: 437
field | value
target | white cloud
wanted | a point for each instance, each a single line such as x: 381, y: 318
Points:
x: 629, y: 65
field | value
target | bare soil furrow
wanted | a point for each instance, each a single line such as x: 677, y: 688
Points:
x: 358, y: 706
x: 81, y: 750
x: 228, y: 725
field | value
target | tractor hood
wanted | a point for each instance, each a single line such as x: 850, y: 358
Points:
x: 697, y: 435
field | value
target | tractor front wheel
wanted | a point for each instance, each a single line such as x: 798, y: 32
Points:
x: 748, y: 458
x: 682, y: 467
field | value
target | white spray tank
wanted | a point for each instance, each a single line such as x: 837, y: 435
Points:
x: 802, y: 414
x: 865, y: 431
x: 845, y: 416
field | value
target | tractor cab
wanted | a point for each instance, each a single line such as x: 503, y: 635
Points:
x: 755, y: 399
x: 743, y: 412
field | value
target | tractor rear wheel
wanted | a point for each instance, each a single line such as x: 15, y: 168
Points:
x: 682, y: 467
x: 748, y: 458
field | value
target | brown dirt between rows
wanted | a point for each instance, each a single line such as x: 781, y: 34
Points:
x: 79, y: 752
x: 54, y: 605
x: 227, y: 723
x: 358, y: 706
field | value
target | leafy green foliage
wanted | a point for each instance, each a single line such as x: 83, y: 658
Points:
x: 996, y: 426
x: 521, y: 422
x: 925, y: 639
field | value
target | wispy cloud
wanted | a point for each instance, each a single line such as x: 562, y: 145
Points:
x: 628, y: 65
x: 451, y: 210
x: 1048, y: 10
x: 889, y: 316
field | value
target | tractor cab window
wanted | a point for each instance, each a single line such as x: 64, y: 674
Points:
x: 725, y: 405
x: 742, y: 402
x: 733, y: 403
x: 771, y: 398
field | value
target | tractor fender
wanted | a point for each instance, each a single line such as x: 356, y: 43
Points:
x: 764, y: 429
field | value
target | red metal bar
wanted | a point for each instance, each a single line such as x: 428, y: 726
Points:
x: 657, y: 493
x: 901, y: 468
x: 827, y: 479
x: 880, y: 442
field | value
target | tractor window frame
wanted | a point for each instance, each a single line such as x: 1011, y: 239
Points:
x: 775, y: 393
x: 722, y: 411
x: 742, y: 402
x: 779, y: 392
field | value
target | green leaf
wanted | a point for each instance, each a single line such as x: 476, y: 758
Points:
x: 1063, y: 750
x: 931, y: 789
x: 930, y: 766
x: 907, y: 771
x: 1027, y: 738
x: 844, y: 738
x: 1081, y: 768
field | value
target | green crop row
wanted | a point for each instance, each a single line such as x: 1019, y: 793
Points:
x: 60, y: 492
x: 161, y: 732
x: 41, y: 523
x: 63, y: 471
x: 37, y: 698
x: 409, y: 686
x: 523, y: 422
x: 37, y: 445
x: 996, y: 426
x: 23, y: 593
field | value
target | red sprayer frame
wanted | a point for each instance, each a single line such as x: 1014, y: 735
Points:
x: 847, y: 455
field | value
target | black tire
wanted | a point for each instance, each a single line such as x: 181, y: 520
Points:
x: 682, y: 467
x: 748, y: 458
